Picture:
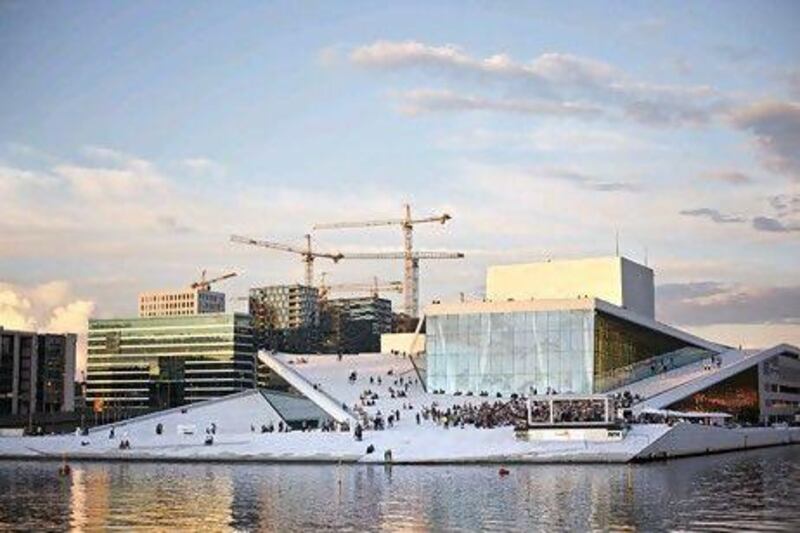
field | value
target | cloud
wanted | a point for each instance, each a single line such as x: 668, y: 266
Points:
x: 14, y: 180
x: 171, y: 225
x: 203, y: 166
x: 773, y: 225
x: 120, y: 178
x: 731, y: 177
x: 15, y: 310
x: 713, y: 215
x: 776, y: 127
x: 691, y: 290
x: 47, y: 307
x: 712, y: 302
x: 427, y: 101
x: 755, y: 336
x: 552, y: 67
x: 552, y: 76
x: 738, y: 54
x: 785, y: 204
x: 589, y: 182
x: 792, y: 78
x: 556, y: 138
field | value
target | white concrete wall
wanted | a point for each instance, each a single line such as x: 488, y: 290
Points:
x: 402, y: 342
x: 616, y: 280
x: 693, y: 439
x: 638, y: 288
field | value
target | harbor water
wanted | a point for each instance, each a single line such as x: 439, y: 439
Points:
x: 753, y: 490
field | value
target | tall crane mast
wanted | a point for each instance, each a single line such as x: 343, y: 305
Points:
x: 308, y: 255
x: 410, y: 265
x: 205, y: 284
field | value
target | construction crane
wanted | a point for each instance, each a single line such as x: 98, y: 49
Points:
x: 205, y: 284
x: 308, y: 255
x: 410, y: 261
x: 411, y: 280
x: 374, y: 288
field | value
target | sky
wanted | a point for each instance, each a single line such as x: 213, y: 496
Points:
x: 135, y: 137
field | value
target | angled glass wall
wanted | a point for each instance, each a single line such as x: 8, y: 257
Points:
x: 511, y: 352
x: 625, y: 352
x: 737, y: 395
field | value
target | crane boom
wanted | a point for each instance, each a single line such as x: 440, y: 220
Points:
x: 402, y: 255
x: 308, y: 255
x: 410, y: 260
x: 205, y: 284
x: 388, y: 222
x: 395, y: 286
x: 335, y: 257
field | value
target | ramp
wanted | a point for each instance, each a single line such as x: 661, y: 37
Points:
x: 325, y: 401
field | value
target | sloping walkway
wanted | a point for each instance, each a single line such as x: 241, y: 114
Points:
x: 328, y: 403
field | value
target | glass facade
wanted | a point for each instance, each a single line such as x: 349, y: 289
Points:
x: 511, y: 352
x: 37, y: 372
x: 153, y: 363
x: 779, y: 378
x: 581, y: 351
x: 51, y: 368
x: 626, y: 352
x: 6, y: 373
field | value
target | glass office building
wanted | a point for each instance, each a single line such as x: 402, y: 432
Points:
x: 507, y: 348
x: 138, y: 364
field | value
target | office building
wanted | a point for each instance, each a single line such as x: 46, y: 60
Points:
x: 37, y: 372
x: 138, y: 364
x: 180, y: 303
x: 355, y: 325
x: 285, y: 317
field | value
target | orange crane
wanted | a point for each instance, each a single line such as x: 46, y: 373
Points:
x: 205, y: 284
x: 307, y: 254
x: 410, y: 258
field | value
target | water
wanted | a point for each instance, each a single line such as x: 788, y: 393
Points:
x: 755, y: 490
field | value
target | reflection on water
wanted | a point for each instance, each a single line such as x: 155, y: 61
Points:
x: 752, y: 490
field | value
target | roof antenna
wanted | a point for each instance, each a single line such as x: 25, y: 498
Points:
x: 645, y: 256
x: 617, y: 241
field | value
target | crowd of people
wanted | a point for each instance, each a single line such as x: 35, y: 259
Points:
x: 485, y: 415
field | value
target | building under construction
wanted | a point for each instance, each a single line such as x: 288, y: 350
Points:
x: 355, y: 325
x: 285, y: 317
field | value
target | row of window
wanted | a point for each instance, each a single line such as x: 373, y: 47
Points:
x: 177, y: 297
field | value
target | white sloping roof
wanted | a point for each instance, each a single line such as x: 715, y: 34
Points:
x: 331, y: 377
x: 231, y: 414
x: 737, y: 361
